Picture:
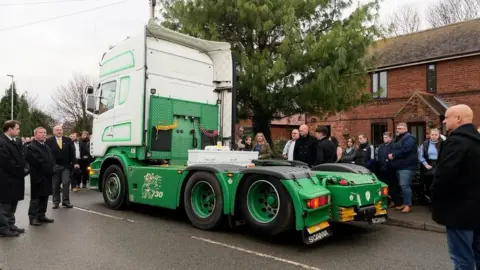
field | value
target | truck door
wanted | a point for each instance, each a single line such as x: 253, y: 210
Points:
x: 105, y: 120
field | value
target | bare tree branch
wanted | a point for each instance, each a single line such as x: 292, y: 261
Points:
x: 69, y: 99
x: 453, y: 11
x: 404, y: 21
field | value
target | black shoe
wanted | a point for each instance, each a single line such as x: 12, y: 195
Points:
x: 55, y: 206
x: 35, y: 222
x: 16, y: 229
x: 8, y: 233
x: 46, y: 220
x: 67, y: 205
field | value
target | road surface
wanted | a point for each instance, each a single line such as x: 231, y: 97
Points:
x: 90, y: 236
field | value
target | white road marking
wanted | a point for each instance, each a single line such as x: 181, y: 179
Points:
x: 304, y: 266
x: 97, y: 213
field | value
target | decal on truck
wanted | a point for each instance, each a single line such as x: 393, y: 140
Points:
x: 151, y: 186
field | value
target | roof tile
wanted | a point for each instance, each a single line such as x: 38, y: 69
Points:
x: 436, y: 43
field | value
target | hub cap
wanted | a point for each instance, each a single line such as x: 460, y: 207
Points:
x: 112, y: 187
x: 263, y: 201
x: 203, y: 199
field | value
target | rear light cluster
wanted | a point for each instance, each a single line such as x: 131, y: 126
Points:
x: 343, y: 182
x: 384, y: 191
x: 318, y: 202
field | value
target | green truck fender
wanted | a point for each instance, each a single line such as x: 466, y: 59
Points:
x: 301, y: 186
x: 226, y: 174
x: 113, y: 156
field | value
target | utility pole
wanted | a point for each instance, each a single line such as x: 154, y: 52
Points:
x: 11, y: 99
x: 153, y: 3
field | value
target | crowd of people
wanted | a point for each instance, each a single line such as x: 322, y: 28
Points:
x: 55, y: 164
x: 449, y: 170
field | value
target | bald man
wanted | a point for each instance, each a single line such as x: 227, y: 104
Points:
x: 455, y: 191
x: 305, y: 149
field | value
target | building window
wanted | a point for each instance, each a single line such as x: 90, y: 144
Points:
x: 379, y: 84
x: 377, y: 133
x: 431, y: 78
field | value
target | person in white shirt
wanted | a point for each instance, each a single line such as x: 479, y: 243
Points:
x: 290, y: 145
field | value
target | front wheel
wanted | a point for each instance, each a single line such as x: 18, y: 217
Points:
x: 114, y: 187
x: 265, y: 205
x: 203, y: 201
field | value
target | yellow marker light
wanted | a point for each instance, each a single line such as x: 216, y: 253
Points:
x: 346, y: 214
x: 379, y: 209
x: 318, y: 227
x: 179, y: 171
x: 230, y: 174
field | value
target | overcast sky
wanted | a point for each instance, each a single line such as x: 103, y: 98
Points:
x: 44, y: 55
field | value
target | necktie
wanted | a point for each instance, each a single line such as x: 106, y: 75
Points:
x: 59, y: 142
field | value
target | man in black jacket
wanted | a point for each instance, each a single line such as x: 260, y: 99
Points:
x: 326, y: 150
x: 305, y: 147
x: 64, y: 154
x: 40, y: 158
x: 456, y: 187
x: 384, y: 172
x: 13, y: 170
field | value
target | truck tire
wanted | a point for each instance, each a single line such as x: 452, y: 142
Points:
x: 114, y: 187
x: 203, y: 201
x: 265, y: 205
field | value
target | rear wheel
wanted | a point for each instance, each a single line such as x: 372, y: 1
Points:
x: 265, y: 205
x: 203, y: 201
x: 114, y: 187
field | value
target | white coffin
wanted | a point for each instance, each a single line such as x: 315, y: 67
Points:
x: 242, y: 158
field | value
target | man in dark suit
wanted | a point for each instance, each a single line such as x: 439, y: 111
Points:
x: 326, y: 150
x: 40, y: 158
x: 87, y: 158
x: 82, y: 155
x: 64, y: 154
x: 13, y: 170
x: 305, y: 149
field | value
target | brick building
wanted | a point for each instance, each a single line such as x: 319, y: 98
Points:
x: 280, y: 129
x: 417, y: 77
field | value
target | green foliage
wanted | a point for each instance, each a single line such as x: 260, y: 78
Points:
x: 293, y: 56
x: 277, y: 147
x: 24, y: 111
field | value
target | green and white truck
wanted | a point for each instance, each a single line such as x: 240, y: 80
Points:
x: 163, y: 129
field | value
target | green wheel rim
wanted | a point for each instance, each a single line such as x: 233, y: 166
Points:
x: 203, y: 199
x: 112, y: 187
x: 263, y: 201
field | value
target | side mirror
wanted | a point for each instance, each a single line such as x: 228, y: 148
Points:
x: 89, y: 90
x: 90, y: 102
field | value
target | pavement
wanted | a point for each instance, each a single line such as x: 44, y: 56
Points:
x: 91, y: 236
x: 420, y: 218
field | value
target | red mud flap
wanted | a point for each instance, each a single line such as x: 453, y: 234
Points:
x: 316, y: 233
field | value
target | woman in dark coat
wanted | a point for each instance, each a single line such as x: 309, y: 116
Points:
x: 350, y: 153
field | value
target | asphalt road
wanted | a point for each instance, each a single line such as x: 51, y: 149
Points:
x: 90, y: 236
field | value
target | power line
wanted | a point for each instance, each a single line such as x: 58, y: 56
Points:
x: 61, y: 16
x: 44, y: 2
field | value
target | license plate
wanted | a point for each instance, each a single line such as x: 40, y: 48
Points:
x: 312, y: 238
x: 378, y: 220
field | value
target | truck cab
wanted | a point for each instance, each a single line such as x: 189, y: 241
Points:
x: 161, y: 79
